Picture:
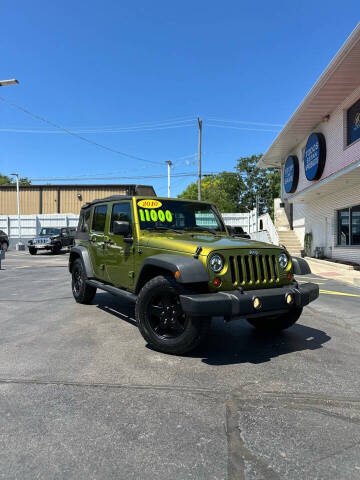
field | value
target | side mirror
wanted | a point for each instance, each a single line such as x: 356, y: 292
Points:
x: 121, y: 228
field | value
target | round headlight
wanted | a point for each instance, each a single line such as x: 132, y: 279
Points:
x: 283, y: 260
x: 216, y: 263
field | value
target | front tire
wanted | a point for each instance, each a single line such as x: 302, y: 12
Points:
x: 161, y: 320
x: 32, y: 250
x: 276, y: 323
x: 56, y: 248
x: 82, y: 292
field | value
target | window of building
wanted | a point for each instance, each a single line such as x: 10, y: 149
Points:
x: 99, y: 218
x: 121, y: 212
x: 353, y: 123
x: 349, y: 226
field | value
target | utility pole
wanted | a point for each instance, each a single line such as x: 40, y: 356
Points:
x: 169, y: 164
x: 19, y: 245
x: 199, y: 158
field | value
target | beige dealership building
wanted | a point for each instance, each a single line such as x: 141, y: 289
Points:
x: 39, y: 199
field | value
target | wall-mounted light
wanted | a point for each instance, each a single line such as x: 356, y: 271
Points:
x: 79, y: 196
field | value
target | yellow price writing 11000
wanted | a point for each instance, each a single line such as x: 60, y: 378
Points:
x: 155, y: 215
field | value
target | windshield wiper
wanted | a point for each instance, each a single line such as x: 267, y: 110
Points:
x: 202, y: 229
x: 166, y: 228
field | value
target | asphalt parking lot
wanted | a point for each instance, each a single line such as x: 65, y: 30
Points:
x: 81, y: 396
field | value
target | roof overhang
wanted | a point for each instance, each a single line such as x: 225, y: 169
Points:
x: 337, y: 82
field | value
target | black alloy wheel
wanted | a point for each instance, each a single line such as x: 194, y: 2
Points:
x: 56, y: 248
x: 166, y: 318
x: 82, y: 292
x: 161, y: 320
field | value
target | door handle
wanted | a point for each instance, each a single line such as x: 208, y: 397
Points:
x: 92, y: 239
x: 108, y: 242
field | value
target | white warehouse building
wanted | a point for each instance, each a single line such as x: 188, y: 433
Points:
x: 318, y: 152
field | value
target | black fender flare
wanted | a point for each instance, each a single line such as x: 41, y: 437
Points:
x: 300, y: 266
x: 191, y: 269
x: 81, y: 252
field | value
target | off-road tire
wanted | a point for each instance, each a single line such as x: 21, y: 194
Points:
x: 56, y: 248
x: 195, y: 329
x: 4, y: 246
x: 82, y: 292
x: 276, y: 323
x: 32, y: 250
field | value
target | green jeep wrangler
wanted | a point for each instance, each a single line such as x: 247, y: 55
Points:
x: 177, y: 262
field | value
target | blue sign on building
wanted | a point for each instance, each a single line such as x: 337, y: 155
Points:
x: 353, y: 123
x: 291, y: 174
x: 315, y: 156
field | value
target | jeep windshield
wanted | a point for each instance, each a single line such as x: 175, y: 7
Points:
x: 178, y: 215
x: 50, y: 231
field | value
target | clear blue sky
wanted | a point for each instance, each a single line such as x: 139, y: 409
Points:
x: 90, y: 65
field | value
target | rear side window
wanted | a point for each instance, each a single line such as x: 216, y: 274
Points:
x: 120, y: 212
x: 84, y: 221
x: 99, y: 218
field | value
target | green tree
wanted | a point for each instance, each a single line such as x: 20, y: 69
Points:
x: 222, y: 189
x: 5, y: 180
x: 262, y: 182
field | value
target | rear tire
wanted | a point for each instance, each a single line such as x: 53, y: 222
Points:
x: 161, y: 320
x: 4, y: 246
x: 32, y: 250
x: 82, y: 292
x: 276, y: 323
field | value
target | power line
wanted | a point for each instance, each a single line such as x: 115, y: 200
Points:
x: 244, y: 122
x: 91, y: 130
x: 242, y: 128
x: 122, y: 177
x: 104, y: 147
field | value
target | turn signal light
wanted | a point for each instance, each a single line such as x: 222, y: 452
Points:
x: 177, y: 274
x: 289, y: 276
x: 217, y: 282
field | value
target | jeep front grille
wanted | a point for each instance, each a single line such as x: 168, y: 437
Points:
x: 254, y: 269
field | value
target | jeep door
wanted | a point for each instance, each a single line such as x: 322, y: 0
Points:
x: 119, y: 263
x: 97, y: 239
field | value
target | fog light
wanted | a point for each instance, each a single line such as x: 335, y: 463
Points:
x: 289, y: 298
x: 217, y: 282
x: 256, y: 303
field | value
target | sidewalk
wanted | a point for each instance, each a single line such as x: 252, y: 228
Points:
x: 337, y: 271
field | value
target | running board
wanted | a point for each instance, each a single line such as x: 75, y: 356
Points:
x: 113, y: 290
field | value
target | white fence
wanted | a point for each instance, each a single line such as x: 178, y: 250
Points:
x: 31, y: 224
x: 245, y: 220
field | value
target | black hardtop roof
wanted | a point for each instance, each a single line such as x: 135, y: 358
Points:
x: 112, y: 198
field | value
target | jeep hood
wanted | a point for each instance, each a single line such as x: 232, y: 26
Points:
x: 188, y: 242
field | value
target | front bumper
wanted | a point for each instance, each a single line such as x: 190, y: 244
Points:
x: 44, y: 246
x: 237, y: 303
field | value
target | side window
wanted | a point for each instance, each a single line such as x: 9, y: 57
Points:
x: 84, y: 221
x: 120, y: 212
x: 64, y: 232
x: 99, y: 218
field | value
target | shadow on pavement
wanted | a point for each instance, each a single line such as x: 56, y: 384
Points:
x: 240, y: 343
x: 235, y: 342
x: 121, y: 310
